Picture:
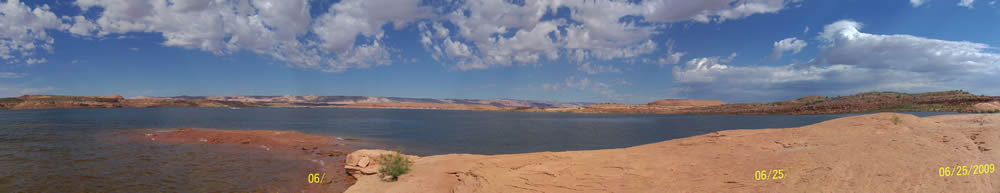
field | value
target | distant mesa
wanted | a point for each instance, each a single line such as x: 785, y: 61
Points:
x: 686, y: 102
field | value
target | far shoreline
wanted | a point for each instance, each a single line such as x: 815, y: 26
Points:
x: 870, y: 102
x: 504, y: 111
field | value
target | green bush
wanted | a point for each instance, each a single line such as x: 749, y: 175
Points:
x: 896, y: 120
x: 394, y: 164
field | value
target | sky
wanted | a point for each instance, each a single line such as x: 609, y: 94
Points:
x: 632, y: 51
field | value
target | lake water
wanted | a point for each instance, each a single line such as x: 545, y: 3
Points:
x: 64, y: 150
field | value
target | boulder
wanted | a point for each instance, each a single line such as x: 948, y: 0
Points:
x: 117, y: 97
x: 988, y: 106
x: 366, y: 162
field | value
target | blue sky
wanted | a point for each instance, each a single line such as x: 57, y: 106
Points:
x: 580, y: 51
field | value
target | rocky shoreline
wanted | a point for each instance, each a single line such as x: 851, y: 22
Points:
x: 326, y: 152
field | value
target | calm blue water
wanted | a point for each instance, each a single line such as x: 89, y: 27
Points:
x: 416, y: 131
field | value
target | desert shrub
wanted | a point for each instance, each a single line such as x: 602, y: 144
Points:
x: 394, y: 164
x: 896, y: 120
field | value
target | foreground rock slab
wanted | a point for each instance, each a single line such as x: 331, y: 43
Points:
x: 882, y: 152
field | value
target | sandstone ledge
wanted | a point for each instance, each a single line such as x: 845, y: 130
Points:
x: 867, y: 153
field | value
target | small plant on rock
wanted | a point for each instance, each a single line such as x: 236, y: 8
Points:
x: 394, y: 164
x: 896, y: 120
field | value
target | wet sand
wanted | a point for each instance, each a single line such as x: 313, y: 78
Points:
x: 883, y: 152
x: 327, y: 153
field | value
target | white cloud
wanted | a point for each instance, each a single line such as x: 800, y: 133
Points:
x: 963, y: 3
x: 350, y: 18
x: 805, y: 31
x: 788, y: 44
x: 363, y: 56
x: 24, y: 31
x: 134, y: 49
x: 11, y: 75
x: 31, y: 61
x: 269, y: 27
x: 966, y: 3
x: 597, y: 69
x: 709, y: 10
x: 221, y: 27
x: 845, y: 44
x: 475, y: 34
x: 456, y: 49
x: 500, y: 33
x: 81, y: 26
x: 672, y: 57
x: 849, y: 62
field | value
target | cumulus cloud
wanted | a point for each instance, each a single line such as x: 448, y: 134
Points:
x: 845, y: 44
x: 850, y: 61
x: 709, y: 10
x: 499, y: 33
x: 474, y: 34
x: 24, y: 32
x: 280, y: 29
x: 363, y: 56
x: 81, y: 26
x: 788, y: 44
x: 917, y: 3
x: 346, y: 20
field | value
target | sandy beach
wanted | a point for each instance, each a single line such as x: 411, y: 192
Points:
x: 884, y: 152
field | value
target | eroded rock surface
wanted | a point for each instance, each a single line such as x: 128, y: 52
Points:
x: 867, y: 153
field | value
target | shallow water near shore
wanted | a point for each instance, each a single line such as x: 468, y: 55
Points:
x: 64, y: 150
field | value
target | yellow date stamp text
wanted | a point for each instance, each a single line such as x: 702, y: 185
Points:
x: 965, y: 170
x: 773, y: 174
